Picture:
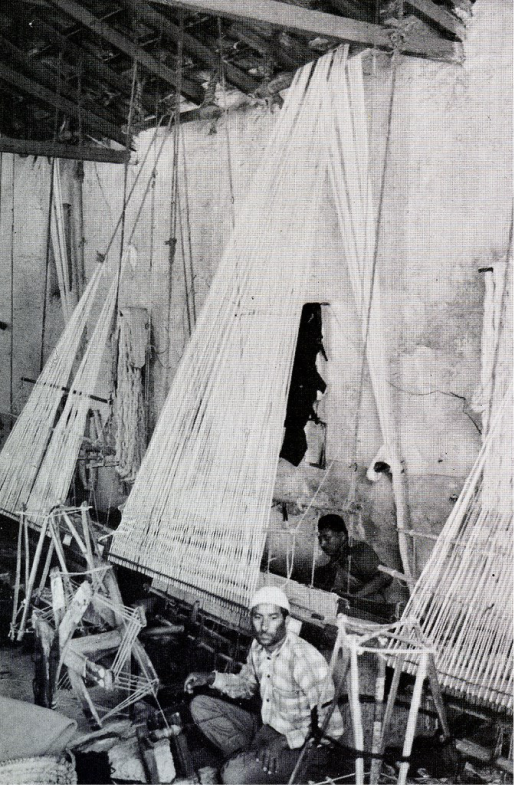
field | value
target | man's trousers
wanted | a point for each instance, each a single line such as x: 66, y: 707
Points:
x: 239, y: 734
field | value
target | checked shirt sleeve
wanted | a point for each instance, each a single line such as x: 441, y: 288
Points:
x: 238, y: 685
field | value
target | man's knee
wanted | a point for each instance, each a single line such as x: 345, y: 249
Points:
x: 201, y: 707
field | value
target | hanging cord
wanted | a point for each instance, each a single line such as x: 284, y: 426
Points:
x: 174, y: 205
x: 352, y: 494
x: 502, y: 311
x: 11, y: 359
x: 80, y: 107
x: 223, y: 83
x: 49, y: 225
x: 188, y: 226
x: 47, y: 265
x: 125, y: 182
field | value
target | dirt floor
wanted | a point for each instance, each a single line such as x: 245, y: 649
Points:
x: 173, y: 657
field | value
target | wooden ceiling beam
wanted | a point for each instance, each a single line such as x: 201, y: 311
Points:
x: 190, y: 89
x: 265, y: 47
x: 234, y: 75
x: 355, y: 9
x: 60, y: 150
x: 437, y: 17
x: 316, y: 23
x: 46, y: 77
x: 97, y: 70
x: 89, y: 120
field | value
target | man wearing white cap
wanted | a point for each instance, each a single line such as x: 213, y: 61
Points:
x: 292, y: 678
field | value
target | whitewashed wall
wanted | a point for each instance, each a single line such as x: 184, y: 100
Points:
x: 447, y: 210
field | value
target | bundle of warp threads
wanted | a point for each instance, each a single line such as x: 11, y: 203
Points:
x: 129, y: 403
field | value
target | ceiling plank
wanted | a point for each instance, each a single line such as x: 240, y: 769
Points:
x: 60, y: 150
x: 190, y: 89
x: 88, y: 119
x: 234, y: 75
x: 438, y: 17
x: 317, y: 23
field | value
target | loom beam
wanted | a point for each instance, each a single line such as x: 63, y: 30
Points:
x: 50, y: 149
x: 316, y: 23
x: 190, y: 89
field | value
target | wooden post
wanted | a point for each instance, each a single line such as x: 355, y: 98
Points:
x: 412, y: 718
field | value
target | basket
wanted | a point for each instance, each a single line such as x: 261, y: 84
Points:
x: 43, y: 770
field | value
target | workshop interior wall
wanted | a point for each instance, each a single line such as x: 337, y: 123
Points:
x: 446, y: 213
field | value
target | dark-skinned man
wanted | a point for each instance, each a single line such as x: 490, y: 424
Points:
x: 291, y: 678
x: 352, y: 571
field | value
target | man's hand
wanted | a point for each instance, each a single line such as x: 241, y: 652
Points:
x: 195, y: 680
x: 269, y: 755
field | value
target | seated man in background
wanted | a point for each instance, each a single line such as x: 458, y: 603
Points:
x: 352, y: 571
x: 293, y: 681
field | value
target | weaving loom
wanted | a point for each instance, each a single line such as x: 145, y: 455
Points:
x: 199, y: 509
x: 462, y: 599
x: 24, y: 452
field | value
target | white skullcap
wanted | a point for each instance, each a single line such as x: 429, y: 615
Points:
x: 270, y: 595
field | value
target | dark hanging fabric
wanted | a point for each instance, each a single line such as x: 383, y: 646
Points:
x: 305, y: 383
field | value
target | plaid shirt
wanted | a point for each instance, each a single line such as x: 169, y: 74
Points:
x: 292, y: 680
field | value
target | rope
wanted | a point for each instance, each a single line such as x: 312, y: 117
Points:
x: 125, y: 181
x: 11, y: 340
x: 188, y: 225
x: 221, y: 67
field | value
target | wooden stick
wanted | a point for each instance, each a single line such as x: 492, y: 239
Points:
x: 46, y: 568
x: 32, y: 578
x: 27, y: 550
x: 88, y: 707
x: 412, y: 718
x: 17, y: 580
x: 77, y: 537
x: 391, y: 698
x: 437, y: 695
x: 86, y: 528
x: 376, y: 763
x: 355, y: 705
x: 60, y: 554
x: 58, y: 599
x: 71, y: 619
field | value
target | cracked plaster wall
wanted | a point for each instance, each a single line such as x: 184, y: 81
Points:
x: 446, y: 213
